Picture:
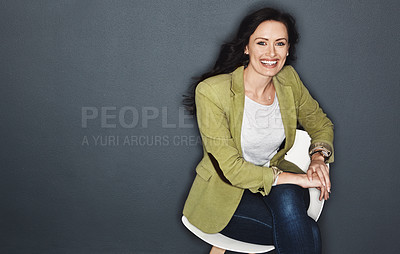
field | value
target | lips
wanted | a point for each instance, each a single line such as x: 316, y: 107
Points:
x: 269, y: 63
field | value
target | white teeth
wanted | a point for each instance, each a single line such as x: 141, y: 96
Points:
x: 269, y: 62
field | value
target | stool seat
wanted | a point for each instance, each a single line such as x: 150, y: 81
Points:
x: 298, y: 155
x: 226, y: 243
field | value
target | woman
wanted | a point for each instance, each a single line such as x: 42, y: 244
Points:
x: 248, y: 108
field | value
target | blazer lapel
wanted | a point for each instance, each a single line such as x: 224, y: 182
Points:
x: 287, y: 108
x: 237, y: 106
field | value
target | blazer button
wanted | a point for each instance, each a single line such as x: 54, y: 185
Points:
x: 261, y: 189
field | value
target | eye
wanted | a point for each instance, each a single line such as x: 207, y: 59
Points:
x: 280, y: 43
x: 262, y: 43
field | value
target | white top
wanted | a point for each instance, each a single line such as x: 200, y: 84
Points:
x: 262, y: 131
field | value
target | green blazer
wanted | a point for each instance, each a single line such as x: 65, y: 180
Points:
x: 223, y: 174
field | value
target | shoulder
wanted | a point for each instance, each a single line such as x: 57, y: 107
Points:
x: 218, y: 83
x: 215, y: 89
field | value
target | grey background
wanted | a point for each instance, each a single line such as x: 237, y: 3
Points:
x: 60, y: 195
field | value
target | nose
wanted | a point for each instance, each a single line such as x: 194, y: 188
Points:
x: 270, y: 50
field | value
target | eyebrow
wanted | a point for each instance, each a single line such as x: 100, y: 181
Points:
x: 268, y: 39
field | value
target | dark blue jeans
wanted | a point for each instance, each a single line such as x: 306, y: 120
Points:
x: 278, y: 219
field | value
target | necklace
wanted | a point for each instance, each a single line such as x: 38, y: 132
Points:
x: 268, y: 91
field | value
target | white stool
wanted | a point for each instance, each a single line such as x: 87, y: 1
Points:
x: 298, y: 154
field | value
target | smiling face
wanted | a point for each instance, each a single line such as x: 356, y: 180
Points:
x: 268, y: 48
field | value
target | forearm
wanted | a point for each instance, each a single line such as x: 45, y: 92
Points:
x: 299, y: 179
x: 290, y: 178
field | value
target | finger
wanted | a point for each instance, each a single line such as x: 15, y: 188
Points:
x: 326, y: 194
x: 325, y: 172
x: 321, y: 194
x: 321, y: 176
x: 324, y: 176
x: 309, y: 174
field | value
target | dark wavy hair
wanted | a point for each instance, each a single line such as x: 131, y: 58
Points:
x: 232, y: 54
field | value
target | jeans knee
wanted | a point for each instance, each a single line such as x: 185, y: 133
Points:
x: 287, y: 200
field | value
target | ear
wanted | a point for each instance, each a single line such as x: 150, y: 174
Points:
x: 246, y: 50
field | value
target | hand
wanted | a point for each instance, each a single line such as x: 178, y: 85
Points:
x: 315, y: 183
x: 319, y: 167
x: 323, y: 190
x: 303, y: 181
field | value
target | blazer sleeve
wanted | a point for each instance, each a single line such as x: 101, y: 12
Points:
x: 314, y: 120
x: 217, y: 141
